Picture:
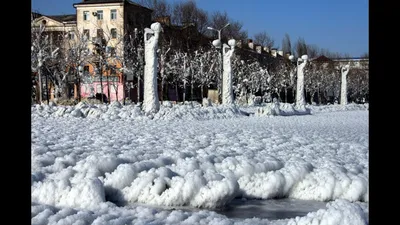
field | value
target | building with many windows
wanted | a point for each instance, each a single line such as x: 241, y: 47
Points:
x: 102, y: 25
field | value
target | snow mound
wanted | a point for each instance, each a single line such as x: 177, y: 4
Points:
x: 88, y: 193
x: 81, y: 105
x: 164, y: 187
x: 116, y: 104
x: 185, y: 111
x: 116, y: 111
x: 197, y: 112
x: 324, y: 185
x: 337, y: 107
x: 153, y: 183
x: 274, y: 184
x: 338, y: 212
x: 206, y: 102
x: 281, y: 109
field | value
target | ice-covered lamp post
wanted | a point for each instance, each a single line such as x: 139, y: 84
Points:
x: 150, y: 98
x: 343, y: 90
x: 301, y: 63
x: 227, y: 90
x: 218, y: 44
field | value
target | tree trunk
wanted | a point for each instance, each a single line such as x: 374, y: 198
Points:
x: 47, y: 89
x: 101, y: 83
x: 116, y: 90
x: 78, y: 88
x: 65, y: 92
x: 305, y: 94
x: 176, y: 92
x: 319, y: 96
x: 123, y: 90
x: 40, y: 85
x: 184, y: 91
x: 162, y: 89
x: 191, y: 84
x: 138, y: 88
x: 191, y: 90
x: 108, y: 88
x: 293, y: 93
x: 312, y: 96
x: 285, y: 94
x: 202, y: 92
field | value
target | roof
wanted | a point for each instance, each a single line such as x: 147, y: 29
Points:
x: 351, y: 59
x: 322, y: 58
x: 63, y: 18
x: 84, y: 2
x: 98, y: 1
x: 35, y: 15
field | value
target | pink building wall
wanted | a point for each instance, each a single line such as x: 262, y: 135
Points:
x: 96, y: 88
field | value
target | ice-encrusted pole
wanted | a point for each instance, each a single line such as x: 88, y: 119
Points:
x: 227, y: 90
x: 343, y: 90
x: 300, y: 99
x: 151, y: 103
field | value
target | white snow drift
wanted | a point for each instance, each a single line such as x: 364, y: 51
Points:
x: 94, y: 166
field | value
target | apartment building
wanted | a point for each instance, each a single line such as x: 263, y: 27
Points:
x: 103, y: 24
x: 110, y: 20
x: 107, y: 23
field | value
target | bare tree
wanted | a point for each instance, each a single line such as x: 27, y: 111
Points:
x: 160, y: 8
x: 187, y: 13
x: 301, y: 47
x: 163, y: 54
x: 41, y: 54
x: 365, y: 55
x: 205, y: 67
x: 264, y: 39
x: 329, y: 54
x: 177, y: 69
x: 234, y: 30
x: 286, y: 44
x: 76, y: 56
x: 108, y: 53
x: 358, y: 85
x: 313, y: 51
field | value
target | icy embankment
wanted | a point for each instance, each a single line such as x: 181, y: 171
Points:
x: 199, y: 163
x: 203, y: 183
x: 187, y: 111
x: 337, y: 107
x: 338, y: 212
x: 115, y: 110
x: 281, y: 109
x: 94, y: 170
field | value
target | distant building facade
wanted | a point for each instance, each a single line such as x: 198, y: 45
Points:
x: 97, y: 21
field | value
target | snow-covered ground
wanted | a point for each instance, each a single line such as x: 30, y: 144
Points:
x: 112, y: 164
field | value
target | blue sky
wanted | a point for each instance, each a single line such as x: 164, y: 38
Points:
x: 339, y: 25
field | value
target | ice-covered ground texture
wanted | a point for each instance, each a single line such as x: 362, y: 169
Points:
x: 92, y: 163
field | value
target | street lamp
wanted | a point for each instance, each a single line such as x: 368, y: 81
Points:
x: 219, y: 31
x: 218, y: 45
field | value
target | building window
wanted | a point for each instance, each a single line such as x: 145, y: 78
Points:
x: 113, y: 14
x: 111, y: 51
x: 99, y: 14
x: 86, y: 70
x: 100, y: 33
x: 86, y: 34
x: 85, y: 15
x: 71, y: 35
x: 113, y: 33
